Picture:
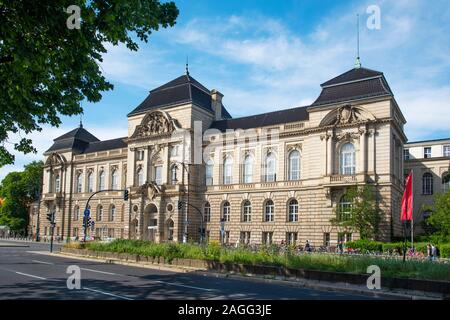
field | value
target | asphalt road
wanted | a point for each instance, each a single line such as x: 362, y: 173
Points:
x: 26, y: 274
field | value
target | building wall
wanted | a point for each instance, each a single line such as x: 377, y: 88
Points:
x: 377, y: 137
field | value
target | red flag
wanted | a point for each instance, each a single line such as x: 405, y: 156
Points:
x: 407, y: 199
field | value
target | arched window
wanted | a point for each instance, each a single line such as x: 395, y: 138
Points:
x: 293, y: 211
x: 427, y: 183
x: 101, y: 180
x: 248, y: 169
x: 209, y: 172
x: 294, y: 165
x: 270, y: 167
x: 112, y: 213
x: 90, y: 184
x: 76, y: 213
x: 140, y: 177
x: 269, y: 211
x: 99, y: 213
x: 226, y: 211
x: 345, y: 208
x: 173, y: 174
x: 228, y: 171
x: 446, y: 182
x: 207, y: 212
x: 246, y: 211
x: 57, y: 183
x: 79, y: 182
x: 347, y: 158
x: 115, y: 179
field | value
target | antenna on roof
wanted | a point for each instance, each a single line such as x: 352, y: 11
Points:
x: 358, y: 60
x: 187, y: 65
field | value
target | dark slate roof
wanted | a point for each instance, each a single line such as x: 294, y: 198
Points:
x: 263, y: 120
x: 352, y: 75
x: 80, y: 141
x: 184, y: 89
x: 118, y: 143
x: 353, y: 85
x: 79, y: 133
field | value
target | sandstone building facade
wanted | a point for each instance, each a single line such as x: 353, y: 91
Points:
x: 430, y: 163
x: 266, y: 178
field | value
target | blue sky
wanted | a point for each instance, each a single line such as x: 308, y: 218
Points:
x: 270, y: 55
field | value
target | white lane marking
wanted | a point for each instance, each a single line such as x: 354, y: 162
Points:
x: 108, y: 294
x: 98, y: 271
x: 182, y: 285
x: 30, y: 275
x: 43, y: 262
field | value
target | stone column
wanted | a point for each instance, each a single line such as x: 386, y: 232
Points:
x: 363, y: 151
x: 330, y: 154
x: 166, y: 164
x: 146, y: 165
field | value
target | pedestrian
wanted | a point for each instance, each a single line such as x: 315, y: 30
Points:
x: 433, y: 252
x: 307, y: 246
x: 340, y: 247
x: 429, y: 252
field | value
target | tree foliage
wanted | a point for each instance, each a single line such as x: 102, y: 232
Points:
x: 18, y: 190
x: 47, y: 69
x: 363, y: 215
x: 440, y: 215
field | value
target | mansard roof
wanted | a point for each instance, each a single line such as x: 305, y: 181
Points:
x: 80, y: 141
x: 182, y: 90
x: 263, y: 120
x: 355, y: 84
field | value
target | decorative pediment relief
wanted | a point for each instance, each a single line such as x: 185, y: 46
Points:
x: 347, y: 114
x: 155, y: 123
x: 150, y: 189
x: 55, y: 159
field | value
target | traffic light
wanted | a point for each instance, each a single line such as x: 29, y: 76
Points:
x: 180, y: 205
x: 51, y: 217
x: 125, y: 195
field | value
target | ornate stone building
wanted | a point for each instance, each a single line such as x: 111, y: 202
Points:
x: 430, y: 162
x: 271, y: 177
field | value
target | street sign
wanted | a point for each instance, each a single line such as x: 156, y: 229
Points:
x: 87, y: 212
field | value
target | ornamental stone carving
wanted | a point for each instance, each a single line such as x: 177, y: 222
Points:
x: 154, y: 124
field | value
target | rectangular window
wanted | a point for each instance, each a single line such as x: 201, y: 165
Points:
x: 427, y: 152
x: 291, y: 238
x: 267, y: 238
x: 326, y: 239
x: 406, y: 154
x: 140, y: 155
x: 344, y: 237
x: 245, y: 237
x: 209, y: 174
x: 158, y: 175
x: 446, y: 151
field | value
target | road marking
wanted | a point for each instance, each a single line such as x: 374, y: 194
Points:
x: 98, y: 271
x: 108, y: 294
x: 43, y: 262
x: 30, y: 275
x: 183, y: 285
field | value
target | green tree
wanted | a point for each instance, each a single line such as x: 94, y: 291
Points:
x: 47, y: 68
x: 18, y: 190
x: 361, y: 214
x: 440, y: 215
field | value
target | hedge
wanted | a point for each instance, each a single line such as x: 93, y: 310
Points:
x: 383, y: 247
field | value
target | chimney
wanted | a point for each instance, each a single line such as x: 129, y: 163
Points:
x: 216, y: 103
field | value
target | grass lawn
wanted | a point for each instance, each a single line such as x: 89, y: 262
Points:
x: 390, y: 267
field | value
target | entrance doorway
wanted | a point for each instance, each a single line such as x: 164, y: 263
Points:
x: 150, y: 223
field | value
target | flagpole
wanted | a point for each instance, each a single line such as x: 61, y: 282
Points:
x: 412, y: 210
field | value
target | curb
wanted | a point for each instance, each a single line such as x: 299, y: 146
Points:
x: 310, y: 284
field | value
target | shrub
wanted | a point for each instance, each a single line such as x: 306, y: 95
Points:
x: 365, y: 245
x: 444, y: 250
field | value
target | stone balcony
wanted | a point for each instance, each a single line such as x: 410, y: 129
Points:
x: 343, y: 180
x: 52, y: 196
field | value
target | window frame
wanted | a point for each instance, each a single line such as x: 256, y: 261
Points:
x: 291, y: 171
x: 291, y: 215
x: 343, y: 165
